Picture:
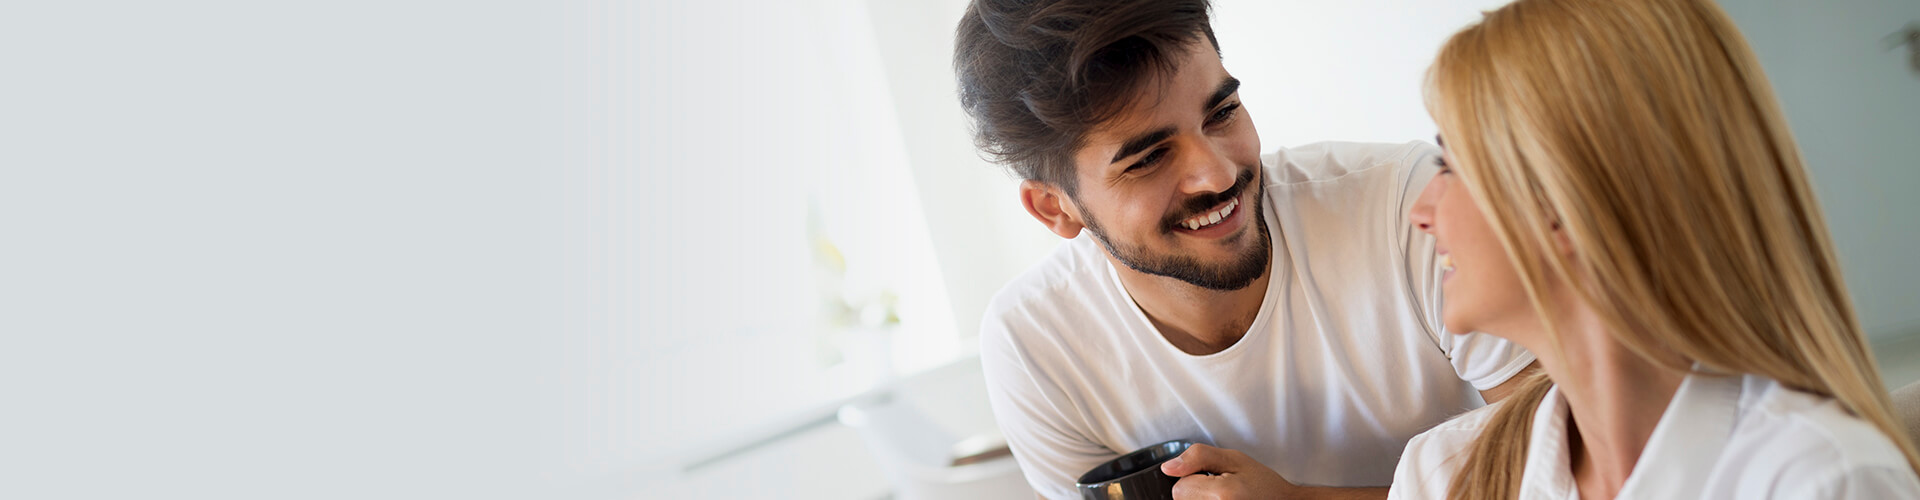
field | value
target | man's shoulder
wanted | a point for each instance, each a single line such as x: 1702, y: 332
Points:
x: 1337, y: 195
x: 1033, y: 329
x: 1331, y: 161
x: 1067, y: 275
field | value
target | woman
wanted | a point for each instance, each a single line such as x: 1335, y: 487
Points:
x: 1621, y: 196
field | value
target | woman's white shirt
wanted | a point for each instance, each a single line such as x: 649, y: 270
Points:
x: 1733, y: 437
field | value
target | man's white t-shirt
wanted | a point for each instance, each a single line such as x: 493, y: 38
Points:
x: 1722, y: 437
x: 1345, y: 362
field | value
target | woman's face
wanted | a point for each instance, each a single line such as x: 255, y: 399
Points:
x: 1482, y: 291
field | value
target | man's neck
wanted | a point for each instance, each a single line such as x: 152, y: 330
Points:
x: 1197, y: 320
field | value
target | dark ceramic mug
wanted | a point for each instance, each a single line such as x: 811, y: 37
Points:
x: 1133, y: 476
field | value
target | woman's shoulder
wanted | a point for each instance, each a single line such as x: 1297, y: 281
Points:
x: 1777, y: 418
x: 1806, y: 442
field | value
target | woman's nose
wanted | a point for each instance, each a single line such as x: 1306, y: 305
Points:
x: 1422, y: 212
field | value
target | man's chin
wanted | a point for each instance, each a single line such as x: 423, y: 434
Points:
x: 1222, y: 249
x: 1227, y: 263
x: 1220, y: 281
x: 1221, y: 273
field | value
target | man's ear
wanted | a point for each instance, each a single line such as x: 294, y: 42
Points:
x: 1049, y: 205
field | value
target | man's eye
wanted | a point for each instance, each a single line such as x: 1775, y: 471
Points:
x: 1148, y: 160
x: 1442, y: 161
x: 1224, y: 113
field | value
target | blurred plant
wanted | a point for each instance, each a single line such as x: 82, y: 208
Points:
x: 841, y: 311
x: 1909, y: 38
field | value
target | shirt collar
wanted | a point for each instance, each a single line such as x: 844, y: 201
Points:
x: 1677, y: 460
x: 1549, y: 473
x: 1687, y: 443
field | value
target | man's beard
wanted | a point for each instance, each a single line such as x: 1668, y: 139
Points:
x: 1233, y: 275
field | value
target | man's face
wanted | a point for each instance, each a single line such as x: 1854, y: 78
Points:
x: 1154, y: 180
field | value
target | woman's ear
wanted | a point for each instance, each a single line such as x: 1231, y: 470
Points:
x: 1047, y: 204
x: 1561, y: 243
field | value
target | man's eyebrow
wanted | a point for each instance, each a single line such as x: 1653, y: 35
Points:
x: 1227, y: 88
x: 1437, y: 141
x: 1141, y: 143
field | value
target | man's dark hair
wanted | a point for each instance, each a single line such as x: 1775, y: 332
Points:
x: 1037, y: 75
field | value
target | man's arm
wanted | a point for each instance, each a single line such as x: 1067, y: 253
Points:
x: 1038, y: 417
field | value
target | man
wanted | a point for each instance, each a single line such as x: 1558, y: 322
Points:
x: 1279, y: 308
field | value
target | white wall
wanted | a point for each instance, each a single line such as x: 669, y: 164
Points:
x: 709, y: 152
x: 269, y: 250
x: 982, y: 236
x: 1346, y: 71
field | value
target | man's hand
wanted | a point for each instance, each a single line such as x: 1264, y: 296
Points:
x: 1209, y: 473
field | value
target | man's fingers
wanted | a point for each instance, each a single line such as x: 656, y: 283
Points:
x: 1199, y: 458
x: 1199, y: 487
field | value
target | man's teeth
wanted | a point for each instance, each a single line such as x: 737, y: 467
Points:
x: 1446, y: 262
x: 1211, y: 218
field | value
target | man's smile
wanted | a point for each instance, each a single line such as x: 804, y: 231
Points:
x: 1220, y: 220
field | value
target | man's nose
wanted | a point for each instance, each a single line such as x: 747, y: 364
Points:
x: 1209, y: 171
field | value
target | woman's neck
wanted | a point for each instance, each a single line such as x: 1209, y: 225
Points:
x: 1616, y: 398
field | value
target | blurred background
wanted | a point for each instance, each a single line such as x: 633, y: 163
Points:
x: 601, y: 249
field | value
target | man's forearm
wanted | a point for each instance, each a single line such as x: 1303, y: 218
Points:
x: 1317, y: 493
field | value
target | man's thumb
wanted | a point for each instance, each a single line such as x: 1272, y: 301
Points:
x: 1199, y: 458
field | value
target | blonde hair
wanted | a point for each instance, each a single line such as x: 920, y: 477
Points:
x: 1645, y: 132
